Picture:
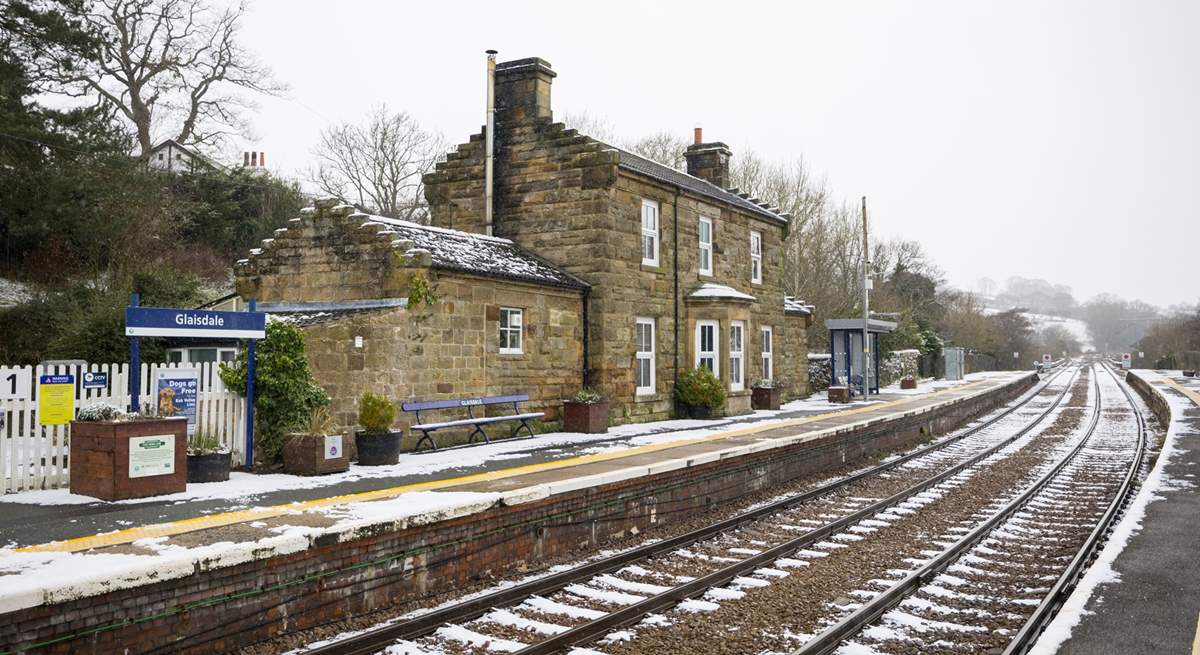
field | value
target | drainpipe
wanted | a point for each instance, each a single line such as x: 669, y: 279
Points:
x: 489, y: 140
x: 586, y: 338
x: 675, y: 275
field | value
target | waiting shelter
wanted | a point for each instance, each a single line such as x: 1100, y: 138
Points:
x: 846, y: 352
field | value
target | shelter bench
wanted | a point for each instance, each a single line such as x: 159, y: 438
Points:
x: 427, y: 429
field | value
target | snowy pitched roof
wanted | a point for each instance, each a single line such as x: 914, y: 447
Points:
x: 795, y: 306
x: 479, y: 254
x: 712, y: 291
x: 696, y: 185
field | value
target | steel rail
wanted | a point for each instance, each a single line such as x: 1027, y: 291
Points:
x: 1062, y: 588
x: 376, y: 639
x: 835, y: 635
x: 587, y: 632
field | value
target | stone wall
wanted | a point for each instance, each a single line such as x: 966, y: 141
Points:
x: 451, y: 350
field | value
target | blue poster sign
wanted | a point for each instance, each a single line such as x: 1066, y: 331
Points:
x: 170, y: 322
x: 94, y: 380
x: 175, y: 394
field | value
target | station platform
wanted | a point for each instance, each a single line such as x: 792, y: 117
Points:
x: 80, y: 522
x: 316, y: 549
x: 1142, y: 595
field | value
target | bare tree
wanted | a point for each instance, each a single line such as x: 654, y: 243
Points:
x: 378, y: 164
x: 171, y: 62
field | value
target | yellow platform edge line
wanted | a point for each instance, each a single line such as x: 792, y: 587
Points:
x: 1190, y: 393
x: 196, y: 523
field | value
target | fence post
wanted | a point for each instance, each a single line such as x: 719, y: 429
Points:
x: 250, y: 398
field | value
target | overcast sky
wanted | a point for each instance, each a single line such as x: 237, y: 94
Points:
x: 1058, y: 140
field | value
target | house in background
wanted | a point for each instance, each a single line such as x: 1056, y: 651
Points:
x: 174, y: 157
x: 598, y: 268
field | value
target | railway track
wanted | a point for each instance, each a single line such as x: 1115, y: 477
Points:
x: 596, y: 599
x: 976, y: 594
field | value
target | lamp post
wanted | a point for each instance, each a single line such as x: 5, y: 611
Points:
x: 866, y: 336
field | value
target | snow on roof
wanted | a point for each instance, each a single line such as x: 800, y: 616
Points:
x: 665, y: 173
x: 792, y: 305
x: 477, y: 253
x: 714, y: 291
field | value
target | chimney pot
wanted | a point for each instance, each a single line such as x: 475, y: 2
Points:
x: 698, y: 134
x: 262, y: 159
x: 245, y: 158
x: 253, y: 160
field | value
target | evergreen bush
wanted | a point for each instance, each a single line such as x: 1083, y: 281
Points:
x: 285, y: 393
x: 375, y: 413
x: 699, y: 387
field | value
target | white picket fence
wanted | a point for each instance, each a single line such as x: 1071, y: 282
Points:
x: 33, y: 456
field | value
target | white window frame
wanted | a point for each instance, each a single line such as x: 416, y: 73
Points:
x: 650, y: 230
x: 768, y: 352
x: 644, y: 355
x: 737, y: 355
x: 756, y: 272
x: 715, y: 353
x: 519, y: 329
x: 706, y: 249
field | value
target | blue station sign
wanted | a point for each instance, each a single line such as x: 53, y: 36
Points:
x: 168, y: 322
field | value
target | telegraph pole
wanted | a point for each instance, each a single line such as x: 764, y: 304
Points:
x: 866, y: 335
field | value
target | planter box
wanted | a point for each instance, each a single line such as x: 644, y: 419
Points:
x: 129, y: 459
x: 1189, y: 374
x: 908, y: 383
x: 314, y: 454
x: 589, y: 418
x: 839, y: 394
x: 213, y: 467
x: 697, y: 412
x: 766, y: 398
x: 377, y: 449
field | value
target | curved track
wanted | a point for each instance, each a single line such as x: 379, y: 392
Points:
x: 627, y: 602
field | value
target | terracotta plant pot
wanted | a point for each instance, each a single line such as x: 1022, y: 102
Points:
x: 102, y: 465
x: 908, y: 383
x: 213, y: 467
x: 588, y: 418
x: 766, y: 398
x: 378, y: 449
x: 314, y: 454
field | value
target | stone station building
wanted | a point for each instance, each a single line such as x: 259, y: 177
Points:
x: 601, y: 268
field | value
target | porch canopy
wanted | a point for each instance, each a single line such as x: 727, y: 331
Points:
x: 846, y: 351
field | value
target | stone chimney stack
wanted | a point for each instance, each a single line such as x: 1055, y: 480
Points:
x: 523, y: 89
x: 708, y: 161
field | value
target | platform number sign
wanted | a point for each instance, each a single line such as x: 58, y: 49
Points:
x: 15, y: 383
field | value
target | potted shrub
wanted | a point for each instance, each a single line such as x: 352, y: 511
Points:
x: 315, y: 451
x: 908, y: 382
x: 585, y: 412
x: 699, y: 393
x: 377, y: 442
x: 285, y: 393
x: 116, y: 455
x: 207, y: 461
x: 765, y: 395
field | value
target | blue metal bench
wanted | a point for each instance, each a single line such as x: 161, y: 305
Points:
x: 427, y: 429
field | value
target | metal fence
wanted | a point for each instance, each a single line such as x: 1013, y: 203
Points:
x: 35, y: 456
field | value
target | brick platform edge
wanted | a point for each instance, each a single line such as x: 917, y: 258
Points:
x: 222, y: 609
